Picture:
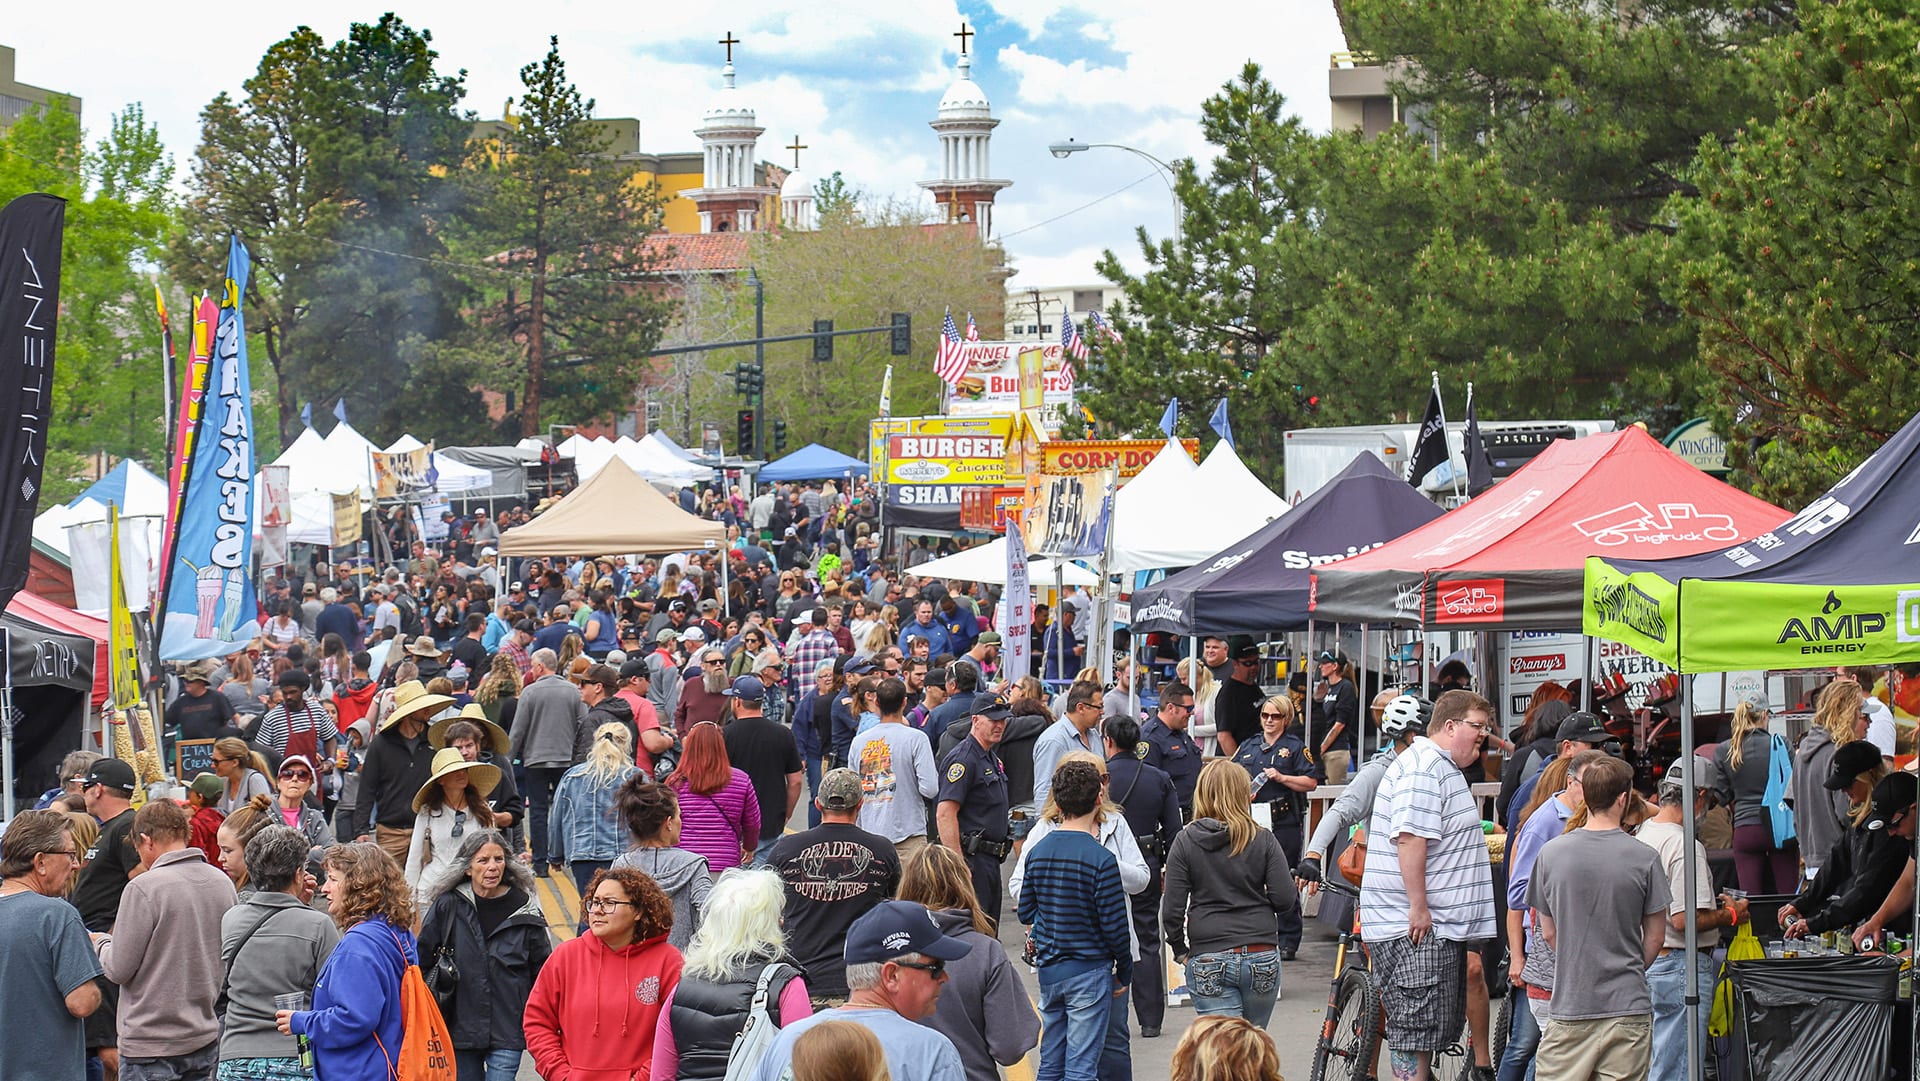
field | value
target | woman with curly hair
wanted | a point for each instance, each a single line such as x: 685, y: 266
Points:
x: 597, y: 1002
x: 354, y: 1026
x: 1218, y: 1047
x: 499, y: 691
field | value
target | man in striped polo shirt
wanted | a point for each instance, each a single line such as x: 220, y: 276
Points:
x: 1427, y: 894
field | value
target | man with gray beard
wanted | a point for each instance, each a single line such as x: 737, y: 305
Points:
x: 702, y: 698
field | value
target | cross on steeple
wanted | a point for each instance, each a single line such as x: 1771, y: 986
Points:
x: 796, y: 146
x: 963, y: 35
x: 729, y: 41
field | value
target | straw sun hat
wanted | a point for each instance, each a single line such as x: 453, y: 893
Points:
x: 410, y: 698
x: 496, y: 735
x: 481, y: 777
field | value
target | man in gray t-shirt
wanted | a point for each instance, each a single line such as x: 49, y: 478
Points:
x: 1602, y: 898
x: 897, y: 777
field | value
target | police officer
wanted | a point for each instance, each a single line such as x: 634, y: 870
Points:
x: 973, y: 803
x: 1282, y: 774
x: 1152, y: 810
x: 1165, y: 744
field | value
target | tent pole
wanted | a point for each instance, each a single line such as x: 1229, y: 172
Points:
x: 1591, y: 661
x: 1306, y: 721
x: 1360, y: 743
x: 1691, y: 875
x: 1059, y: 619
x: 6, y: 729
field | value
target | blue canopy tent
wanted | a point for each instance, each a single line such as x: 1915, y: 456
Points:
x: 129, y: 486
x: 812, y: 462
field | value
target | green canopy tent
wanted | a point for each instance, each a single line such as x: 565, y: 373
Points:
x: 1837, y: 583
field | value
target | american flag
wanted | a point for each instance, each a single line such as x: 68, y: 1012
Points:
x: 973, y: 332
x: 949, y: 359
x: 1072, y: 347
x: 1099, y: 325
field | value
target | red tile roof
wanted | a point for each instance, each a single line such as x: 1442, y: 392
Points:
x: 698, y: 252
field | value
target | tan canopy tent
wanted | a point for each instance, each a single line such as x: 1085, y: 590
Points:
x: 613, y: 513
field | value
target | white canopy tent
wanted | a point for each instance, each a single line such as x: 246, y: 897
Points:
x: 455, y: 476
x: 988, y: 563
x: 1174, y: 516
x: 650, y: 460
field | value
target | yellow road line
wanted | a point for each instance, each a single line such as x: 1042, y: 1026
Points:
x: 563, y: 915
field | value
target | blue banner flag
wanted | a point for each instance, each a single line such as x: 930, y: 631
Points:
x: 211, y: 610
x: 1171, y: 417
x: 340, y: 410
x: 1219, y: 423
x: 306, y: 414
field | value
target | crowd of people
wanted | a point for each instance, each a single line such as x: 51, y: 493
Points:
x: 398, y: 760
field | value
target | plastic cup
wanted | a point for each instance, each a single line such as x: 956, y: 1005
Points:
x: 295, y: 1001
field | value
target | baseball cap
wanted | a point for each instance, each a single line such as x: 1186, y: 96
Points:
x: 860, y: 667
x: 893, y: 928
x: 489, y: 551
x: 667, y: 634
x: 633, y: 666
x: 208, y: 787
x: 747, y: 689
x: 678, y: 606
x: 299, y: 760
x: 988, y: 638
x: 309, y: 590
x: 110, y: 773
x: 709, y: 605
x: 694, y: 634
x: 1707, y: 778
x: 839, y: 790
x: 1328, y: 656
x: 992, y: 706
x: 1894, y: 794
x: 1849, y: 762
x: 1584, y: 727
x: 517, y: 587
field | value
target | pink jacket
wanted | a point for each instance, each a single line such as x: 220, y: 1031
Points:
x: 719, y: 825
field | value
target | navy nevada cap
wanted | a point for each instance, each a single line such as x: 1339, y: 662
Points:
x: 895, y: 928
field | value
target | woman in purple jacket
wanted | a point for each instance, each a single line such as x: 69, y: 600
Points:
x: 719, y: 814
x: 354, y: 1026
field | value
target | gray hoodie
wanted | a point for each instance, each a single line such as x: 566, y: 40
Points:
x: 1220, y: 899
x: 984, y: 1009
x: 1819, y: 813
x: 686, y: 880
x: 277, y: 958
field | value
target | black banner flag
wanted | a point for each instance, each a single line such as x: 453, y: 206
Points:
x: 1430, y: 445
x: 30, y: 229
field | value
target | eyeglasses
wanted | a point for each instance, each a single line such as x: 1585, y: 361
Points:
x: 1483, y: 729
x: 217, y: 760
x: 935, y: 969
x: 713, y: 661
x: 295, y: 775
x: 1187, y: 706
x: 603, y: 904
x: 70, y: 853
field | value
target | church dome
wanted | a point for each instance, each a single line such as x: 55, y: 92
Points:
x: 797, y: 185
x: 729, y: 107
x: 964, y: 100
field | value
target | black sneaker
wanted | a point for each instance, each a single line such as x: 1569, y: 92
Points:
x: 1149, y: 1032
x: 1288, y: 953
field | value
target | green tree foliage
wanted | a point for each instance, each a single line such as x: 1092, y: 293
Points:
x: 857, y: 273
x: 107, y: 396
x: 834, y: 203
x: 337, y: 165
x: 1801, y: 263
x: 564, y: 223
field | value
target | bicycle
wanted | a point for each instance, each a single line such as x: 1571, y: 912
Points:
x: 1350, y: 1035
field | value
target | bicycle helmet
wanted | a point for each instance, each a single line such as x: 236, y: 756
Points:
x: 1407, y: 713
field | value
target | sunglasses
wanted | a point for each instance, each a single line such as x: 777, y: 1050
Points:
x: 935, y: 969
x: 1270, y: 713
x: 295, y: 775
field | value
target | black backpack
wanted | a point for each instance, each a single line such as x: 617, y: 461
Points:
x: 409, y: 615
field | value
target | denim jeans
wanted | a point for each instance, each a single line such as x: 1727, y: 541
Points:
x: 813, y: 793
x: 1073, y: 1024
x: 1116, y: 1055
x: 1667, y: 980
x: 1523, y: 1039
x: 499, y: 1064
x: 196, y: 1066
x: 1242, y: 984
x: 765, y: 849
x: 541, y: 781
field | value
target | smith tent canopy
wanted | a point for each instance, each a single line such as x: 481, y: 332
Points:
x: 1515, y: 557
x: 1176, y: 518
x: 614, y: 513
x: 988, y: 563
x: 1260, y: 582
x: 1838, y: 583
x: 812, y: 462
x: 660, y: 439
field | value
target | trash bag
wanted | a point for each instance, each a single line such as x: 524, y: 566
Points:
x: 1744, y: 947
x: 1829, y: 1018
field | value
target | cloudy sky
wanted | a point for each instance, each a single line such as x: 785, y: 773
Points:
x: 856, y: 80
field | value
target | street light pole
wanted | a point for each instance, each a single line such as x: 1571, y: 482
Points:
x: 1070, y: 147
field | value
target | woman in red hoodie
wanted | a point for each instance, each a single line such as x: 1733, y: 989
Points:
x: 595, y: 1005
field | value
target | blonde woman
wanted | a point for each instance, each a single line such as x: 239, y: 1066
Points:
x: 1761, y: 865
x: 1116, y: 837
x: 736, y: 948
x: 1197, y: 675
x: 1227, y: 886
x: 244, y: 771
x: 1220, y: 1048
x: 499, y: 691
x: 1820, y: 811
x: 585, y: 831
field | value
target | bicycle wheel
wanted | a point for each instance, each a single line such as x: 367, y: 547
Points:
x: 1503, y: 1024
x: 1350, y: 1033
x: 1451, y: 1062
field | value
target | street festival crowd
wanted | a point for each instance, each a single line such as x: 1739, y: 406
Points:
x: 400, y: 755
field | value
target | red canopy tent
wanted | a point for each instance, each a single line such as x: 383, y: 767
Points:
x: 1515, y: 557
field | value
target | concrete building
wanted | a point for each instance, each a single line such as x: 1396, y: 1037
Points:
x: 1033, y: 313
x: 964, y: 190
x: 17, y: 97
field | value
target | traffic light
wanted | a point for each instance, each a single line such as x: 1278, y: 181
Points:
x: 779, y: 436
x: 902, y: 343
x: 743, y: 431
x: 823, y: 340
x: 748, y: 379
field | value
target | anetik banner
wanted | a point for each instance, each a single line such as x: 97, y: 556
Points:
x: 30, y: 234
x: 210, y: 609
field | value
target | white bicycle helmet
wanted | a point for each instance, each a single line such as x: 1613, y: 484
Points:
x: 1407, y: 713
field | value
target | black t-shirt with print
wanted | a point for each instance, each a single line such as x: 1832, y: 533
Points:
x: 104, y: 877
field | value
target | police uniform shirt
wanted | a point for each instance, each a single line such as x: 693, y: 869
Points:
x: 1146, y: 798
x: 1286, y: 754
x: 972, y: 777
x: 1174, y: 752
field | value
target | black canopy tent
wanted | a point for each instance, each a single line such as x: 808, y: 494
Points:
x: 53, y: 673
x: 1261, y: 582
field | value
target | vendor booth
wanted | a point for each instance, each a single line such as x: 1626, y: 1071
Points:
x: 812, y: 462
x: 58, y: 661
x: 988, y: 563
x: 614, y: 512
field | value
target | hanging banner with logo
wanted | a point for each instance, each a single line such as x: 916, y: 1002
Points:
x: 135, y: 738
x: 193, y: 394
x: 1126, y: 457
x: 30, y: 238
x: 929, y: 461
x: 346, y: 518
x: 1016, y: 629
x: 433, y: 528
x: 1068, y: 517
x: 404, y: 473
x: 991, y: 384
x: 276, y: 510
x: 1033, y: 377
x: 211, y: 610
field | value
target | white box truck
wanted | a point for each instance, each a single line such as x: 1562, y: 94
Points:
x: 1315, y: 455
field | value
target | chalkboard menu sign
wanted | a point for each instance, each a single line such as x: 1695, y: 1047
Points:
x: 191, y: 758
